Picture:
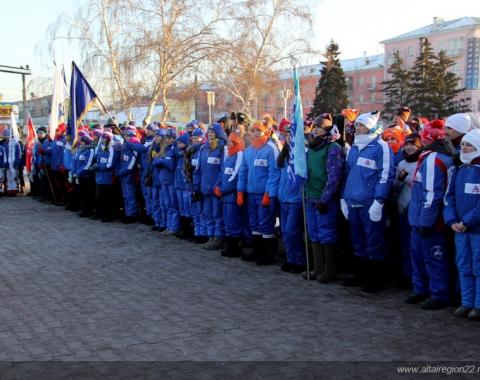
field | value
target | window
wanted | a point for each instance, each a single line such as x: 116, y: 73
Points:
x: 372, y: 97
x: 373, y: 81
x: 360, y: 98
x: 411, y: 51
x: 360, y: 81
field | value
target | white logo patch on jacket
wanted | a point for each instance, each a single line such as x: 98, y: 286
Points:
x: 472, y: 188
x: 367, y: 163
x: 213, y: 160
x: 125, y: 157
x: 103, y: 160
x: 228, y: 171
x: 260, y: 162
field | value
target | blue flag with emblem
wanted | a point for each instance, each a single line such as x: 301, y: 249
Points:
x: 298, y: 157
x: 82, y: 98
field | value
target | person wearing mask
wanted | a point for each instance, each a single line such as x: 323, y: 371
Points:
x: 258, y: 185
x: 226, y: 189
x: 369, y: 178
x: 325, y: 165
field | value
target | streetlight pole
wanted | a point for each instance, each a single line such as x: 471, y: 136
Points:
x: 285, y: 94
x: 210, y: 102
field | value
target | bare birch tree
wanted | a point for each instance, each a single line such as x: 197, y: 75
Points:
x: 263, y: 35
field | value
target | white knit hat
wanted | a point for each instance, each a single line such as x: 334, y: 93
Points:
x: 473, y: 138
x: 369, y: 120
x: 460, y: 122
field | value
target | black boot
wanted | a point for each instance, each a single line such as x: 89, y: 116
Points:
x: 266, y: 253
x: 200, y: 239
x: 129, y: 219
x: 318, y: 261
x: 358, y: 277
x: 374, y: 281
x: 233, y: 247
x: 256, y: 248
x: 330, y: 272
x: 182, y: 234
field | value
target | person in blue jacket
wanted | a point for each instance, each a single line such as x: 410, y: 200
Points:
x: 205, y: 177
x: 430, y: 275
x: 184, y: 195
x: 159, y: 214
x: 165, y: 162
x: 3, y: 165
x: 58, y: 171
x: 127, y: 173
x: 192, y: 153
x: 82, y: 173
x: 13, y: 163
x: 291, y: 213
x: 258, y: 178
x: 226, y: 188
x: 145, y: 184
x: 462, y: 214
x: 106, y: 161
x: 369, y: 178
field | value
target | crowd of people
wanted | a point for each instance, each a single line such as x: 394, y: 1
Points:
x: 398, y: 205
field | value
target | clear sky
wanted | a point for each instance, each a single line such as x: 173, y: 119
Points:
x: 357, y: 26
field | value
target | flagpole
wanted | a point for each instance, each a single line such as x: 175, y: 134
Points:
x: 305, y: 231
x: 294, y: 62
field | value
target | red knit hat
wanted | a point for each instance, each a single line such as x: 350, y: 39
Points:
x: 433, y: 131
x: 282, y: 127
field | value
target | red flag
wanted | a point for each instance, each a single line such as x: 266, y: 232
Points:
x: 31, y: 138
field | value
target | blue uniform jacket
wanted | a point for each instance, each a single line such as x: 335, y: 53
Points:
x: 428, y: 189
x: 16, y: 156
x: 180, y: 180
x: 83, y: 161
x: 228, y: 178
x: 165, y: 166
x: 286, y: 192
x: 369, y: 173
x: 3, y: 157
x: 105, y: 168
x: 259, y: 173
x: 208, y: 167
x: 68, y: 157
x: 57, y: 153
x: 127, y: 167
x: 462, y: 201
x: 47, y: 152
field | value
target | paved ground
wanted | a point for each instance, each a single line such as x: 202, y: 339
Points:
x: 75, y: 289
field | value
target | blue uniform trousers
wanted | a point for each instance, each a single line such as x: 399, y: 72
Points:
x: 261, y: 219
x: 430, y: 274
x: 322, y: 228
x: 212, y: 216
x: 129, y: 197
x: 367, y: 237
x: 291, y: 224
x: 467, y: 245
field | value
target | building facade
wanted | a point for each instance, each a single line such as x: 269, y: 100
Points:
x: 459, y: 38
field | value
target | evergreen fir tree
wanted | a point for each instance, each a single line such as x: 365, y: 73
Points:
x: 422, y: 85
x: 446, y: 98
x: 331, y: 91
x: 395, y: 89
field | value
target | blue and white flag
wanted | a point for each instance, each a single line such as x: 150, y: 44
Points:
x: 298, y: 157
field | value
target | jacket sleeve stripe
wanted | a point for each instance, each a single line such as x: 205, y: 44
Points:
x: 385, y: 161
x: 430, y: 180
x: 110, y: 157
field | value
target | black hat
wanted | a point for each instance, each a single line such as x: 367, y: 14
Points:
x: 42, y: 129
x: 319, y: 121
x: 242, y: 118
x: 110, y: 123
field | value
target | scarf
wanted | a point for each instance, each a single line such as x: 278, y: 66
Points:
x: 213, y: 144
x: 259, y: 142
x: 238, y: 144
x: 361, y: 141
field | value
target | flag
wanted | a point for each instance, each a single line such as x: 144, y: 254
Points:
x: 298, y: 157
x: 82, y: 98
x: 31, y: 138
x: 59, y: 96
x: 14, y: 138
